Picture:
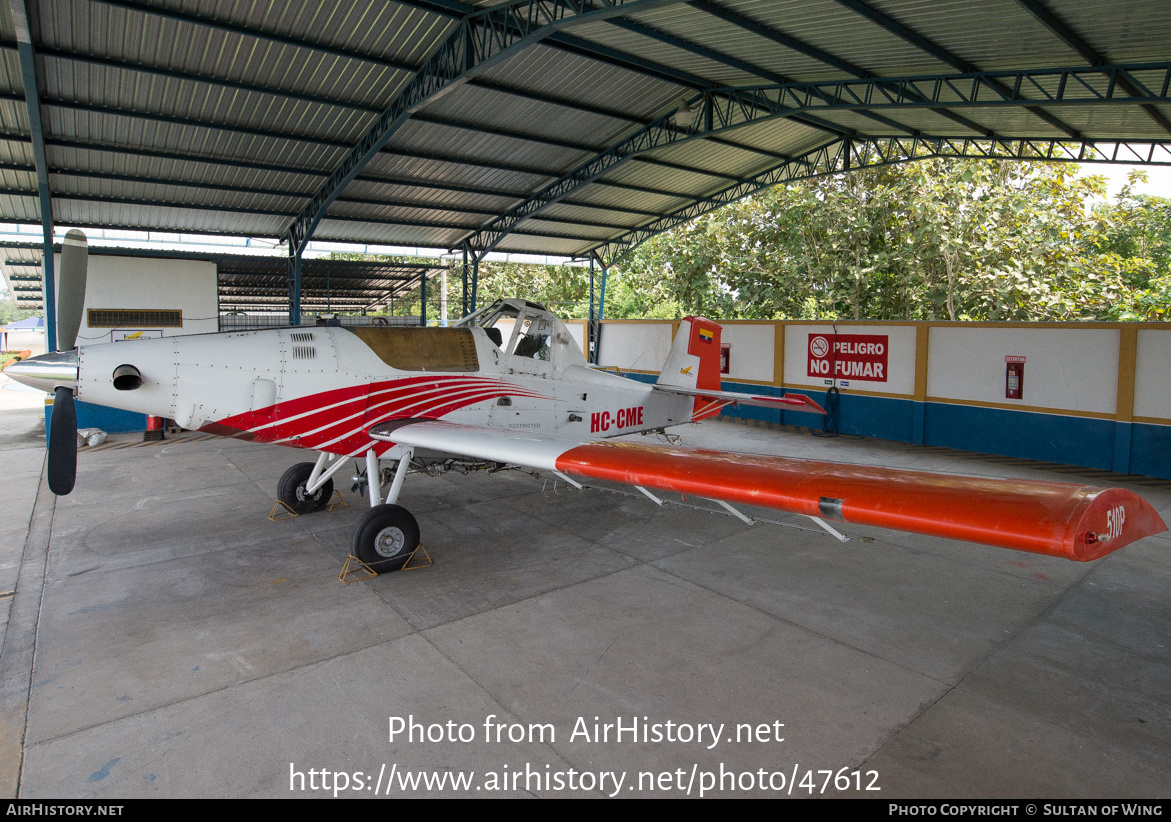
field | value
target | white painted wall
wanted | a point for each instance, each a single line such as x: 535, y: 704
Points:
x: 1067, y: 368
x: 751, y: 351
x: 577, y: 330
x: 1152, y: 374
x: 900, y: 378
x: 1070, y: 369
x: 145, y: 282
x: 635, y: 346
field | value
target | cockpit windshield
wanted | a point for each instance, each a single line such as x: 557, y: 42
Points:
x: 519, y: 327
x: 489, y: 315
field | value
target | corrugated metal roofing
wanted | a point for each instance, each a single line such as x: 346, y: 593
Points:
x: 338, y: 285
x: 228, y: 116
x: 251, y: 282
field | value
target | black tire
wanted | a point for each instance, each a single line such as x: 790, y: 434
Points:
x: 291, y: 490
x: 385, y: 538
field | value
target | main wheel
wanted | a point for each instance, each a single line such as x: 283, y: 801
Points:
x: 291, y: 490
x: 385, y: 538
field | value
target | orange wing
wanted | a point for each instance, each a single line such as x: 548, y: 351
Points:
x: 1078, y: 522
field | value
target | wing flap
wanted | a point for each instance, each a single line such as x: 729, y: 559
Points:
x: 493, y: 444
x: 1078, y: 522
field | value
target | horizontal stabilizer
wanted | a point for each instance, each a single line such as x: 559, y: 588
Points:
x: 794, y: 402
x: 1078, y: 522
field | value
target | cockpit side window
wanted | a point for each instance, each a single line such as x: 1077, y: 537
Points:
x: 532, y: 339
x: 497, y: 320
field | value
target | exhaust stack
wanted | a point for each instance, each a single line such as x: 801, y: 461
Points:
x: 127, y: 378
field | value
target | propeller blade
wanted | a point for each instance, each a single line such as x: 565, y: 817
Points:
x: 71, y: 288
x: 63, y: 442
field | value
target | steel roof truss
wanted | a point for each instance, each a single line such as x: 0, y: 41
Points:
x: 725, y: 109
x: 822, y: 56
x: 1071, y: 39
x: 480, y: 40
x: 595, y: 51
x: 700, y: 50
x: 325, y: 48
x: 940, y: 53
x: 844, y: 155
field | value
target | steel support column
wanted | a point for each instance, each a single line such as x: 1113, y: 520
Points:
x: 32, y: 100
x: 475, y: 281
x: 463, y: 306
x: 294, y: 285
x: 592, y: 327
x: 602, y: 293
x: 423, y: 300
x: 601, y: 308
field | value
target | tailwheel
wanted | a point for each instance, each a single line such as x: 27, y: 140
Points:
x: 291, y: 490
x: 385, y: 538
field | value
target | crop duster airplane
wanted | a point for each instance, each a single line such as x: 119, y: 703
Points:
x: 509, y: 386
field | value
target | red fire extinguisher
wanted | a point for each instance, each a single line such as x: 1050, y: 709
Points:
x: 1014, y: 377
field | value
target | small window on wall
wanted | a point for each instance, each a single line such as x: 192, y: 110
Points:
x: 134, y: 318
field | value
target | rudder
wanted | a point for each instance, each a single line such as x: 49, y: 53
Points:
x: 694, y: 360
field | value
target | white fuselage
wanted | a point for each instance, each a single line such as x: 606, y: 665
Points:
x: 324, y: 387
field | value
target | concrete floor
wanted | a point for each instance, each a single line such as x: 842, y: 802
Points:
x: 166, y: 639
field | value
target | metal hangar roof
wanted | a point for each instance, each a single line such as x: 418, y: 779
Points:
x: 252, y: 282
x: 568, y: 127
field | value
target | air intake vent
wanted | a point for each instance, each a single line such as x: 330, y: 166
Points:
x: 302, y: 336
x: 134, y: 318
x: 304, y: 352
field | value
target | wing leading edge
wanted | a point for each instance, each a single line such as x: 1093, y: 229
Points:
x: 1078, y: 522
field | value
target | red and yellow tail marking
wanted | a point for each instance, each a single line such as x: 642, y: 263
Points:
x: 705, y: 344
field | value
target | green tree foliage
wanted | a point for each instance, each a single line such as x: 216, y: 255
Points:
x: 929, y: 240
x: 934, y: 239
x: 1133, y: 243
x: 564, y: 289
x: 10, y: 312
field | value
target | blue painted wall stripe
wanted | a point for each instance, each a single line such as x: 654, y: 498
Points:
x: 1094, y: 443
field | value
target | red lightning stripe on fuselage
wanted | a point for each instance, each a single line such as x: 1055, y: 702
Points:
x: 337, y: 421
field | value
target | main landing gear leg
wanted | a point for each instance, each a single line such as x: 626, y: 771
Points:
x: 387, y: 535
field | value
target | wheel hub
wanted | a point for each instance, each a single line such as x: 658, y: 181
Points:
x: 389, y: 542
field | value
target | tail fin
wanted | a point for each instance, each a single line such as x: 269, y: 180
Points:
x: 694, y: 360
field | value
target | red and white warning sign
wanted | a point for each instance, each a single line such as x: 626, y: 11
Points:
x: 849, y: 356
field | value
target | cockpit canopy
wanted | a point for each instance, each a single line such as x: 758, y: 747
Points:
x: 527, y: 330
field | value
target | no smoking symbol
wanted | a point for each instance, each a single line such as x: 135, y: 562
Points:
x: 819, y: 347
